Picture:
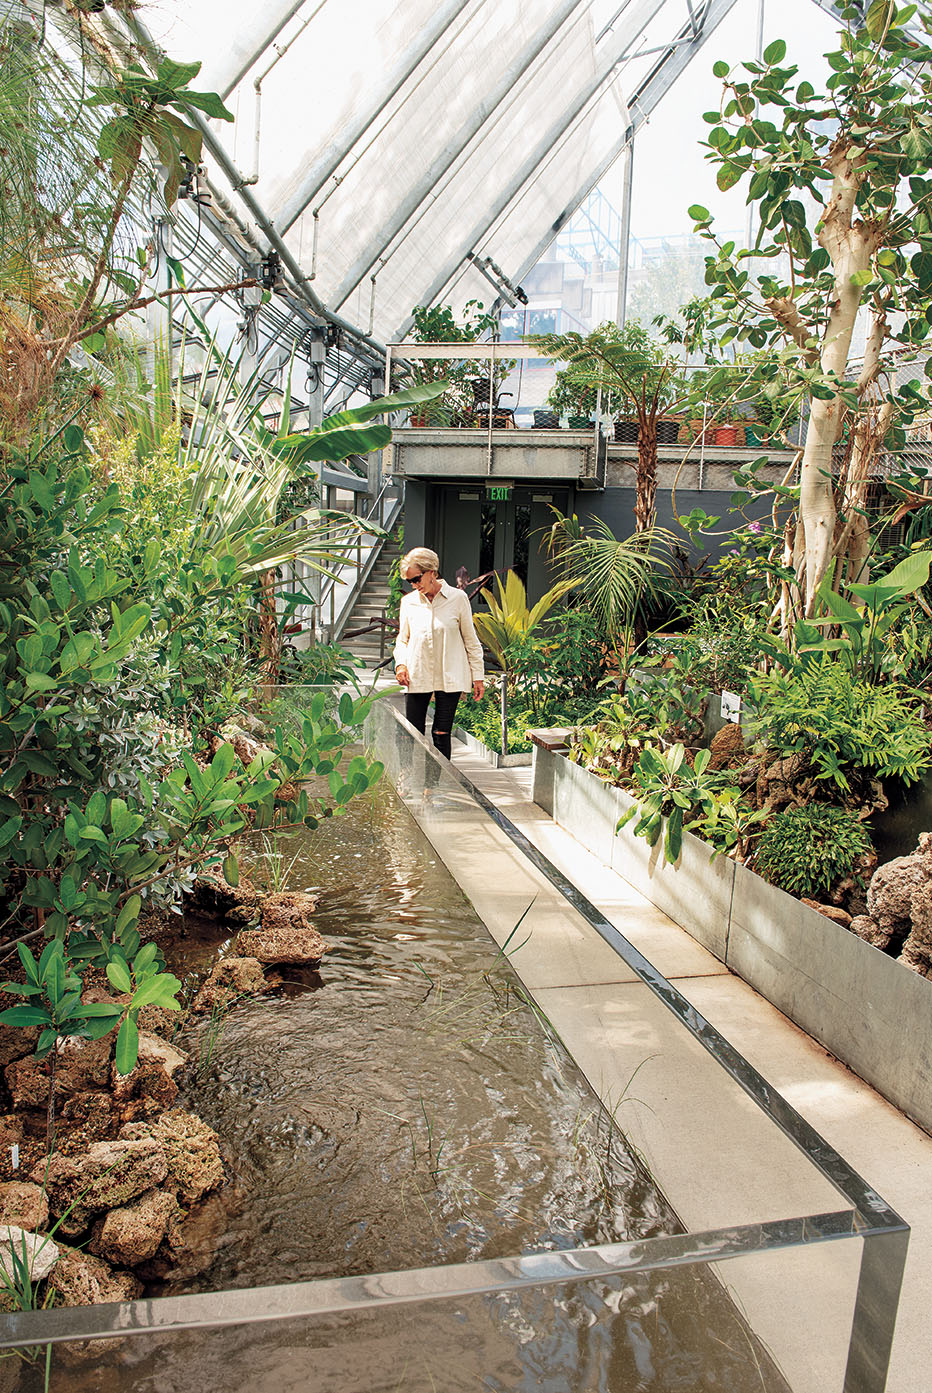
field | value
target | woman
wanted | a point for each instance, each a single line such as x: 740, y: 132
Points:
x: 438, y: 652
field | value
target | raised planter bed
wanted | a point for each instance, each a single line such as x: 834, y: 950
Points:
x: 497, y: 761
x: 870, y: 1011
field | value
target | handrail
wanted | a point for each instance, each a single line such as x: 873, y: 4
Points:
x: 331, y: 616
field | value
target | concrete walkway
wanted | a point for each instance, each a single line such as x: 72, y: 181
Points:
x: 736, y: 1170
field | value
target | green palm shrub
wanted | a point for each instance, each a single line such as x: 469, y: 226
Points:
x: 807, y: 850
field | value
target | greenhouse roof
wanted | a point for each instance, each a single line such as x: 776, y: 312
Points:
x: 395, y: 146
x: 395, y: 154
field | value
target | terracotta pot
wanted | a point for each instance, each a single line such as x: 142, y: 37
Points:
x: 697, y: 433
x: 726, y: 435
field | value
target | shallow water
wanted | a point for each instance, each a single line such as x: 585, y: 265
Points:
x: 406, y: 1108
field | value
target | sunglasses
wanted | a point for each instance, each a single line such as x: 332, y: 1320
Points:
x: 416, y: 580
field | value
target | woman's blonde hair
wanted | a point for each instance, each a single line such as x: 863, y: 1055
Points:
x: 421, y: 557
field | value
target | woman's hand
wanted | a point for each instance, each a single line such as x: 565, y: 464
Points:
x: 478, y: 689
x: 401, y: 675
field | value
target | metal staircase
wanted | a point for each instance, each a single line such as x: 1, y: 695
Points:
x: 372, y: 603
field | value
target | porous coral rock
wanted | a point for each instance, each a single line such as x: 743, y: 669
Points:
x: 190, y: 1242
x: 16, y: 1043
x: 890, y: 894
x: 194, y: 1164
x: 212, y: 895
x: 80, y: 1279
x: 24, y: 1204
x: 11, y: 1131
x: 108, y: 1174
x: 132, y: 1234
x: 38, y: 1250
x: 80, y: 1065
x: 287, y: 934
x: 230, y: 979
x: 90, y: 1117
x: 867, y: 928
x: 726, y: 747
x: 917, y: 950
x: 150, y: 1087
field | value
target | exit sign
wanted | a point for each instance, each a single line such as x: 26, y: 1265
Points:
x: 498, y: 492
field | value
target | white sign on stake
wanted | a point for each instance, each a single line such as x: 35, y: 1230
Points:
x: 731, y: 707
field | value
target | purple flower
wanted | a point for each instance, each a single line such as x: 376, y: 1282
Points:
x: 754, y: 527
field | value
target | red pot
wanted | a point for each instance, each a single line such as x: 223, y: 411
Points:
x: 726, y: 435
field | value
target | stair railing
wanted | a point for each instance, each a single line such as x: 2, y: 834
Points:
x: 339, y: 593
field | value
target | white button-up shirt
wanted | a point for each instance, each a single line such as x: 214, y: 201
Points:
x: 438, y: 643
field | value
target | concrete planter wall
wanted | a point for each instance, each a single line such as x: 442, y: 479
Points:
x: 497, y: 761
x: 870, y: 1011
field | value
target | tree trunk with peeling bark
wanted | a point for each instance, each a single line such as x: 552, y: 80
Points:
x: 863, y: 150
x: 850, y: 244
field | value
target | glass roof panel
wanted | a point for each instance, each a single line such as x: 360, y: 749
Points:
x: 487, y: 117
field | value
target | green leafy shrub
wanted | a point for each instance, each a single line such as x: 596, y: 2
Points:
x: 806, y: 850
x: 669, y: 789
x: 844, y: 725
x: 321, y: 665
x: 722, y: 645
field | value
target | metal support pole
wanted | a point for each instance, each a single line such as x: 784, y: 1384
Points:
x: 504, y: 713
x: 624, y: 237
x: 883, y: 1260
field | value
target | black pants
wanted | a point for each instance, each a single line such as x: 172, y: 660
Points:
x: 445, y: 704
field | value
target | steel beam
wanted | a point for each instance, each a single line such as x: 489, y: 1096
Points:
x: 628, y: 34
x: 328, y: 160
x: 432, y: 176
x: 624, y: 239
x: 643, y: 103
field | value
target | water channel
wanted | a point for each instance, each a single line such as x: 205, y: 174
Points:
x: 407, y: 1107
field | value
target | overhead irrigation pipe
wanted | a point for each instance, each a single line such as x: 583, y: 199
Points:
x: 255, y: 53
x: 237, y: 180
x: 257, y: 86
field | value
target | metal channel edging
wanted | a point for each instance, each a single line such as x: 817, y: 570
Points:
x: 872, y: 1208
x: 455, y: 1281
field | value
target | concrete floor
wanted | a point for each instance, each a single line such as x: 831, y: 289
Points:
x: 736, y: 1167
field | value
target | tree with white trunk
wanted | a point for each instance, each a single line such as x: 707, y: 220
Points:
x: 843, y: 206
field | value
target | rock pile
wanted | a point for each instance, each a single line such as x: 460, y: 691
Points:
x: 123, y: 1199
x: 899, y: 908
